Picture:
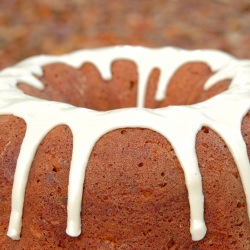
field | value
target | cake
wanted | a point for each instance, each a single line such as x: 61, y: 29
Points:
x: 125, y: 148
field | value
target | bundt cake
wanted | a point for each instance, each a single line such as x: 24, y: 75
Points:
x: 125, y: 148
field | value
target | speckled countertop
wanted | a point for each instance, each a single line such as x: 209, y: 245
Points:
x: 59, y: 26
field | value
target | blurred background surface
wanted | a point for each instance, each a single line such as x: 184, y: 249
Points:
x: 59, y: 26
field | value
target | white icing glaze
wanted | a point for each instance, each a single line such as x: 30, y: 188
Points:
x: 222, y: 113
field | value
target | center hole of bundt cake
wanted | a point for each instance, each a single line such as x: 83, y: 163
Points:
x: 85, y: 87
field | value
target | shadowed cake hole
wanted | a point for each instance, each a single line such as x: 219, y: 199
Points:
x: 205, y: 130
x: 55, y: 169
x: 85, y: 87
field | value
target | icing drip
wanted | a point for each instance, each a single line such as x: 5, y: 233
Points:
x: 42, y: 116
x: 167, y: 59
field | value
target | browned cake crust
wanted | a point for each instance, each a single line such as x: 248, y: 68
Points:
x: 84, y: 87
x: 134, y: 195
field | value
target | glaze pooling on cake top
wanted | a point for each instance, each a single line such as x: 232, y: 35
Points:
x: 223, y: 114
